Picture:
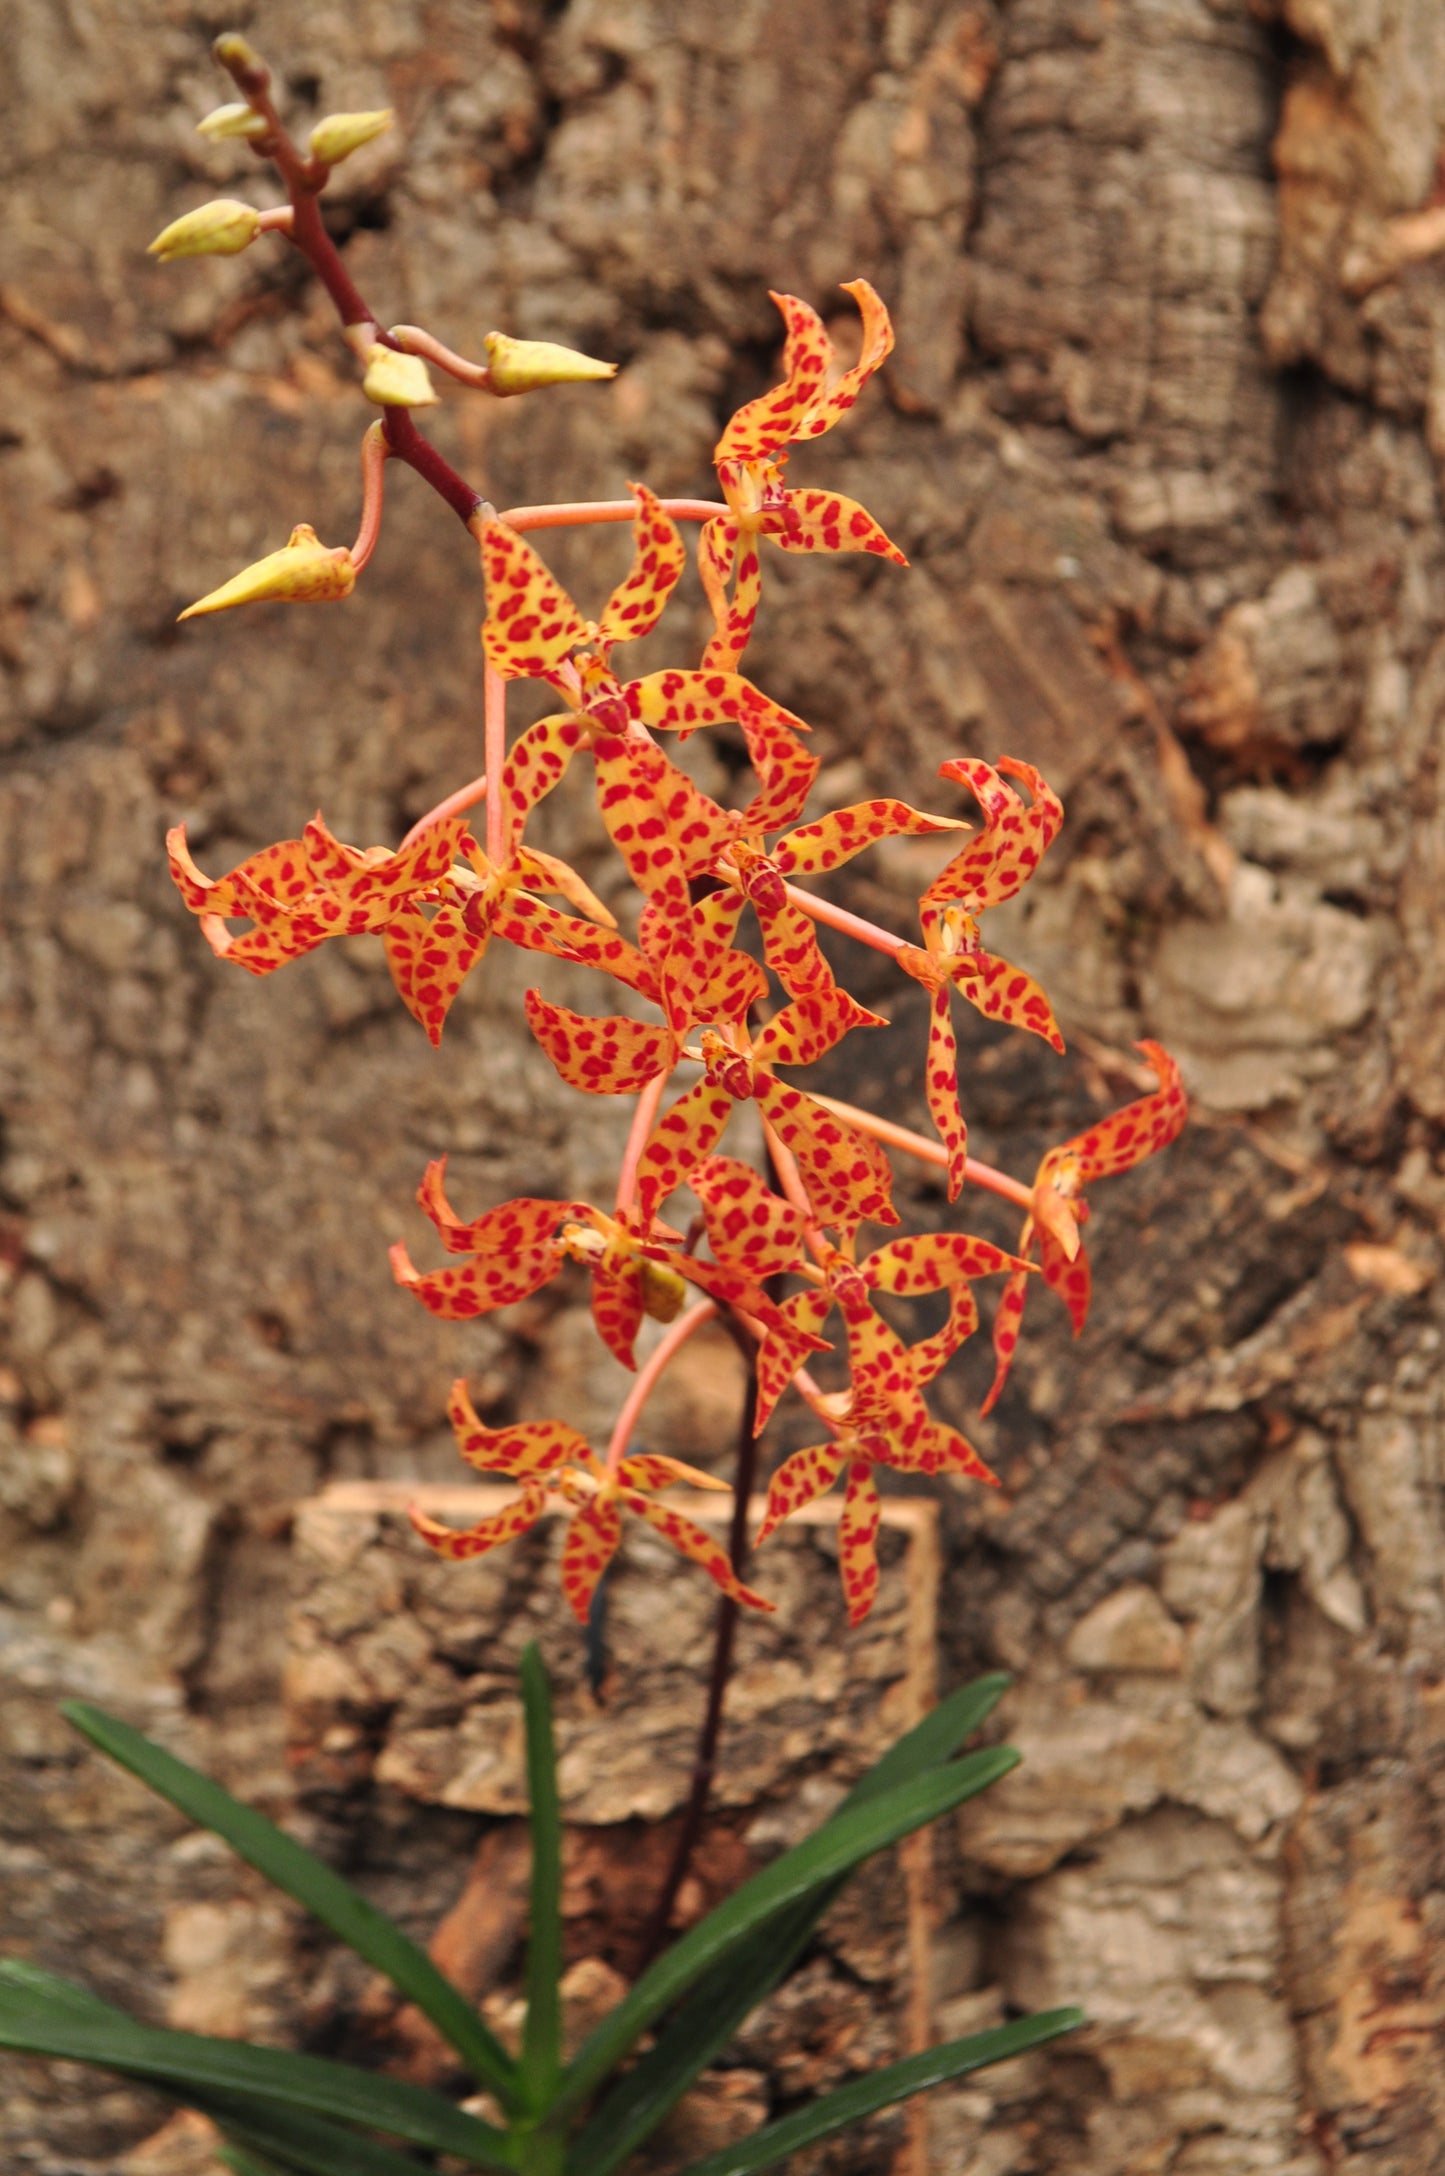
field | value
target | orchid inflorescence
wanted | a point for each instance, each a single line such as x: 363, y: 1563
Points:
x: 779, y: 1254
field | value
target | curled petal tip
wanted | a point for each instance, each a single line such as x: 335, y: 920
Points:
x: 304, y: 571
x: 222, y: 228
x: 394, y: 380
x: 339, y: 134
x: 521, y: 366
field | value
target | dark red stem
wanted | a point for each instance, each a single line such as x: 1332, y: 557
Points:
x: 303, y: 179
x: 705, y: 1760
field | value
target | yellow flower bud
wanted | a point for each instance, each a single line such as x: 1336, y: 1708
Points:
x: 394, y: 380
x: 238, y: 119
x: 219, y: 229
x: 304, y: 571
x: 520, y: 366
x: 336, y: 137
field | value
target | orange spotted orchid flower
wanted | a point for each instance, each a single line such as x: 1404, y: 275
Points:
x: 880, y: 1421
x: 547, y: 1456
x: 1116, y: 1144
x: 751, y: 457
x: 992, y: 867
x: 512, y: 1251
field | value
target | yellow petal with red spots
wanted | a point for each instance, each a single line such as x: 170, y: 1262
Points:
x: 1002, y: 992
x: 665, y: 829
x: 833, y: 403
x: 532, y: 625
x: 530, y: 1448
x: 1006, y: 1334
x: 944, y: 1450
x: 654, y: 1470
x: 926, y: 1261
x: 800, y: 1480
x: 617, y: 1307
x: 1141, y: 1129
x: 811, y: 1026
x: 683, y: 1136
x: 791, y: 949
x: 1071, y: 1279
x: 506, y: 1525
x: 546, y: 873
x: 693, y: 1543
x: 429, y: 961
x: 529, y: 1221
x: 281, y: 874
x: 733, y: 617
x: 782, y: 1353
x: 749, y: 1227
x: 370, y: 888
x: 537, y: 761
x: 825, y: 521
x: 813, y: 849
x: 774, y: 419
x: 593, y: 1534
x: 930, y: 1355
x: 857, y: 1541
x: 658, y: 558
x: 604, y: 1057
x: 940, y: 1085
x: 997, y: 864
x: 845, y: 1173
x: 522, y: 919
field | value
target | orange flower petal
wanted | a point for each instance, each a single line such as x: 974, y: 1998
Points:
x: 531, y: 625
x: 603, y: 1057
x: 505, y: 1525
x: 658, y: 558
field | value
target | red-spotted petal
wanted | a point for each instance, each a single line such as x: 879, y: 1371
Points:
x: 658, y: 558
x: 826, y: 521
x: 857, y: 1539
x: 683, y: 1136
x: 997, y: 864
x: 537, y: 762
x: 846, y: 1174
x: 930, y: 1355
x: 593, y: 1534
x: 532, y: 624
x: 833, y: 403
x: 1072, y: 1280
x: 489, y: 1533
x: 430, y: 960
x: 749, y: 1227
x: 736, y: 615
x: 927, y: 1261
x: 693, y: 1543
x: 1002, y: 992
x: 523, y: 919
x: 774, y: 419
x: 1141, y: 1129
x: 800, y: 1480
x: 1006, y: 1334
x: 811, y: 1026
x: 813, y: 849
x: 604, y: 1057
x: 784, y: 1351
x: 617, y: 1301
x: 524, y: 1450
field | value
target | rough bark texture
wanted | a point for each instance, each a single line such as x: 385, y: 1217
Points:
x: 1164, y: 446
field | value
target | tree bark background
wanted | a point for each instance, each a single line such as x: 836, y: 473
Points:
x: 1163, y: 443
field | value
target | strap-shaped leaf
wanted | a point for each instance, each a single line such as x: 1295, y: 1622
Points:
x: 883, y: 2089
x: 717, y: 2005
x: 542, y: 2035
x: 285, y: 1863
x: 810, y: 1866
x: 287, y: 2139
x: 184, y: 2063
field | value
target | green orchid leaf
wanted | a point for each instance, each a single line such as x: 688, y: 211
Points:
x: 717, y: 2005
x: 293, y: 1869
x: 187, y: 2064
x: 811, y: 1866
x: 883, y: 2089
